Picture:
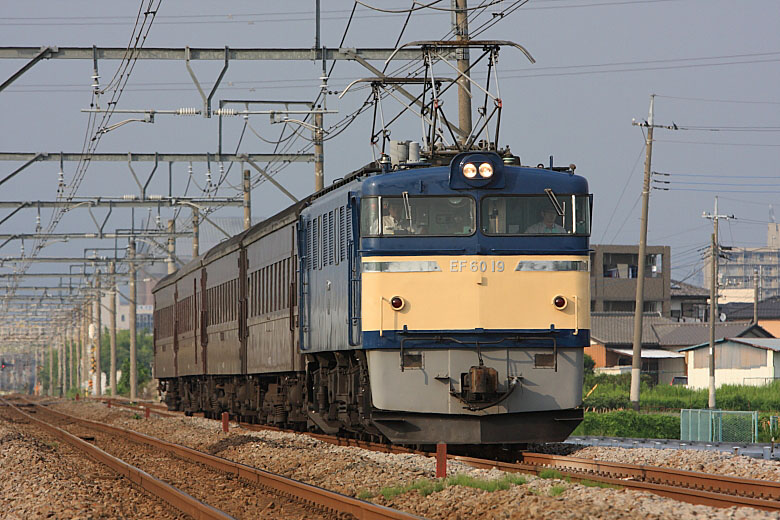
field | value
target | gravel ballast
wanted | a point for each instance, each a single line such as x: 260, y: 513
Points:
x: 41, y: 477
x: 365, y: 474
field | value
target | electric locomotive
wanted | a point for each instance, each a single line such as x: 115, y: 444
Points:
x: 439, y: 302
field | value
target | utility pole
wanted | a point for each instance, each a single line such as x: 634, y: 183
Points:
x: 319, y: 120
x: 63, y: 378
x: 461, y: 30
x: 247, y: 200
x: 636, y: 359
x: 319, y: 154
x: 73, y: 356
x: 171, y: 247
x: 112, y: 325
x: 714, y: 256
x: 98, y: 334
x: 133, y: 369
x: 195, y: 232
x: 755, y: 296
x: 51, y: 369
x: 85, y: 348
x: 636, y: 354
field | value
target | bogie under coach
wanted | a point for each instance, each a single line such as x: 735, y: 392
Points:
x: 444, y: 302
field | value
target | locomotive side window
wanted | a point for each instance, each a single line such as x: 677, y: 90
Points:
x: 418, y: 216
x: 534, y: 215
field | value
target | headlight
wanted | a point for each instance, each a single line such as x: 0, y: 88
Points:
x: 469, y: 171
x: 486, y: 170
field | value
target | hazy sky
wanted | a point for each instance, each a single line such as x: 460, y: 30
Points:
x: 713, y: 64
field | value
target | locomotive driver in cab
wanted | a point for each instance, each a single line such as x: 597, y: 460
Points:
x: 547, y: 225
x: 393, y: 221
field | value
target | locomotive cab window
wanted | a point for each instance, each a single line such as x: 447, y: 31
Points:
x: 536, y: 215
x: 417, y: 216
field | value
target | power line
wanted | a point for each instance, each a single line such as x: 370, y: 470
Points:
x: 714, y: 143
x: 623, y: 191
x: 711, y: 100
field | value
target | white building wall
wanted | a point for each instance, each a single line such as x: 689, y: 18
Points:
x: 777, y: 364
x: 700, y: 377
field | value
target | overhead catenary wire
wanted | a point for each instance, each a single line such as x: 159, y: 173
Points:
x: 337, y: 128
x: 126, y: 67
x: 271, y: 17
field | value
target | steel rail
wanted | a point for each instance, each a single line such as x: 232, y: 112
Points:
x: 686, y: 486
x: 677, y: 489
x: 162, y: 490
x: 162, y: 410
x: 766, y: 489
x: 321, y: 497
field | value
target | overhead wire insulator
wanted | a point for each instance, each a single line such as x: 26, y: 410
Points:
x: 187, y: 111
x: 129, y: 197
x: 226, y: 112
x: 189, y: 169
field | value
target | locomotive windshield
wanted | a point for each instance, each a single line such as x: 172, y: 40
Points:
x: 417, y: 216
x: 536, y: 215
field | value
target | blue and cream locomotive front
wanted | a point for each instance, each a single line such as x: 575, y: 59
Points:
x: 474, y: 302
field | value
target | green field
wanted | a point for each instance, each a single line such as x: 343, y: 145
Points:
x: 608, y: 408
x: 612, y: 393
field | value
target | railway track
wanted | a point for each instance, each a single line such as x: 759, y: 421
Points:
x: 174, y: 497
x: 241, y: 490
x: 687, y: 486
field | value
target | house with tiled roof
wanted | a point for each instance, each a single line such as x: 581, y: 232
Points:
x: 681, y: 335
x: 612, y: 338
x: 768, y: 313
x: 689, y: 302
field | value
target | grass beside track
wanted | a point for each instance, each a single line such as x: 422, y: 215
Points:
x: 426, y: 486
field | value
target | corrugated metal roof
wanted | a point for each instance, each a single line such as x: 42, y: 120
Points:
x: 649, y: 353
x: 763, y: 343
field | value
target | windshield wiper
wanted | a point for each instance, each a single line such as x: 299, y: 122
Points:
x: 554, y: 201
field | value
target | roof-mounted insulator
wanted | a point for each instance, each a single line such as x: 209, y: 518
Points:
x: 225, y: 112
x: 187, y: 111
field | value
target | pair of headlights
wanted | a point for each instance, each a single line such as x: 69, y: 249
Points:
x: 485, y: 170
